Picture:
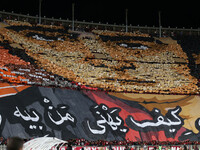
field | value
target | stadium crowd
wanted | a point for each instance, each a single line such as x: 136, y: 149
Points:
x: 84, y: 142
x: 111, y: 61
x: 99, y: 143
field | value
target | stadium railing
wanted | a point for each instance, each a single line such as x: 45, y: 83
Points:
x: 102, y: 26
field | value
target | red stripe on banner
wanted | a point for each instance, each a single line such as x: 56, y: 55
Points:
x: 139, y: 115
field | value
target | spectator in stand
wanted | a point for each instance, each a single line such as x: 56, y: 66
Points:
x: 160, y: 147
x: 132, y: 147
x: 185, y: 147
x: 196, y: 147
x: 15, y: 143
x: 127, y: 148
x: 1, y: 140
x: 69, y: 146
x: 110, y: 147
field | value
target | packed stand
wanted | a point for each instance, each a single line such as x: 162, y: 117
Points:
x: 101, y: 60
x: 83, y: 142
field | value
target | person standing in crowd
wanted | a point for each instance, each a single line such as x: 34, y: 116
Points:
x: 196, y: 147
x: 126, y: 148
x: 141, y: 147
x: 1, y: 140
x: 69, y: 146
x: 184, y: 147
x: 160, y: 147
x: 110, y: 147
x: 15, y: 143
x: 132, y: 147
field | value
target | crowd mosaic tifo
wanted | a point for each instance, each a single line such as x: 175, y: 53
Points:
x: 97, y: 85
x: 100, y: 60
